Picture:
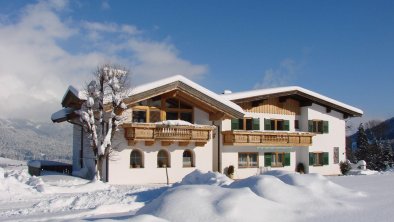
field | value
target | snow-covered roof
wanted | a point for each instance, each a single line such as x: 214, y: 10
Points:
x: 179, y: 78
x: 62, y: 114
x: 294, y: 89
x: 79, y: 94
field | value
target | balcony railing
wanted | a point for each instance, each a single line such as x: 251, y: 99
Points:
x: 253, y: 138
x: 167, y: 134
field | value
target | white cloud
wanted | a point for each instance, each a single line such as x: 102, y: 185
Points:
x: 36, y: 66
x: 281, y: 76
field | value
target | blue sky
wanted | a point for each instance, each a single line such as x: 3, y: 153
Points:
x: 342, y: 49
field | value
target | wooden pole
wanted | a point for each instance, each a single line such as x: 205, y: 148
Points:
x: 168, y: 182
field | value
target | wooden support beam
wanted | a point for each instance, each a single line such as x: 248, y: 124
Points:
x: 166, y: 143
x: 183, y: 143
x: 131, y: 142
x: 200, y: 144
x: 283, y: 99
x: 305, y: 103
x: 216, y: 116
x: 328, y: 110
x: 149, y: 143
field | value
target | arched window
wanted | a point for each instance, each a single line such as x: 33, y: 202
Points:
x: 163, y: 159
x: 188, y: 160
x: 136, y: 160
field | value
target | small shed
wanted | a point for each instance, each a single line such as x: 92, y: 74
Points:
x: 35, y: 167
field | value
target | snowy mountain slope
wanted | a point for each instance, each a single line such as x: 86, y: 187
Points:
x: 24, y: 139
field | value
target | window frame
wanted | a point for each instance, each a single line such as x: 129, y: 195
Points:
x: 248, y: 160
x: 274, y: 127
x: 192, y: 161
x: 243, y: 123
x: 168, y: 158
x: 319, y: 158
x: 134, y: 165
x: 318, y: 126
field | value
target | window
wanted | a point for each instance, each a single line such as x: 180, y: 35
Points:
x: 296, y: 124
x: 248, y: 160
x: 318, y: 126
x: 163, y: 159
x: 276, y: 159
x: 318, y: 158
x: 147, y: 111
x: 276, y: 124
x: 336, y: 155
x: 176, y: 109
x: 188, y: 158
x: 139, y: 116
x: 136, y: 159
x: 245, y: 124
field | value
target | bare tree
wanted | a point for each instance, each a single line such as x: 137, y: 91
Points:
x: 101, y: 113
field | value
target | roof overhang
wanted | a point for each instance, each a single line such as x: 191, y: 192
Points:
x: 306, y: 97
x: 185, y: 87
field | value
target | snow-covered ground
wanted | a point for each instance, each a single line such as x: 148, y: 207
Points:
x: 274, y: 196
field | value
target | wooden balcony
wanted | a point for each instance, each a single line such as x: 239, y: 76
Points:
x: 167, y: 135
x: 253, y: 138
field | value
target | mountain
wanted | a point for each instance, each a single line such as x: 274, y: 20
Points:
x: 23, y: 139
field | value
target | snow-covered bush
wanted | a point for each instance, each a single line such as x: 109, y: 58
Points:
x: 345, y: 166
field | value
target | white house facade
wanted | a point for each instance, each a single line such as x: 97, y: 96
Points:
x: 174, y: 126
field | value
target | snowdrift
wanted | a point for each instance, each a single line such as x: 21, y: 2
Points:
x: 211, y: 197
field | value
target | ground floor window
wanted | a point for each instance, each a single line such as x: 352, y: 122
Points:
x: 136, y: 160
x: 248, y: 160
x: 188, y: 158
x: 318, y: 158
x: 276, y: 159
x: 163, y: 159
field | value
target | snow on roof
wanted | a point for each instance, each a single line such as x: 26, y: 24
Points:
x: 61, y: 114
x: 79, y: 94
x: 152, y: 85
x: 261, y: 92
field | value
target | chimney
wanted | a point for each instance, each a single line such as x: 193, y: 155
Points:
x: 227, y: 91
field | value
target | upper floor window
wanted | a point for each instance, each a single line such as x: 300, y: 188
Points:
x: 296, y: 124
x: 178, y: 110
x: 245, y: 124
x: 157, y: 109
x: 276, y: 124
x: 318, y: 158
x: 318, y: 126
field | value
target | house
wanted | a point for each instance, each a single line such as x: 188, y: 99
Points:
x: 174, y: 126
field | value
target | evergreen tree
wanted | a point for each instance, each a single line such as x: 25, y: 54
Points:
x: 387, y: 154
x: 362, y: 144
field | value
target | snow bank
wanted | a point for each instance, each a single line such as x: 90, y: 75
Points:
x: 213, y: 203
x: 362, y: 172
x: 210, y: 178
x: 214, y: 197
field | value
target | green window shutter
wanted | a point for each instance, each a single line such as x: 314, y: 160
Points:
x: 267, y: 124
x: 311, y: 159
x: 325, y: 158
x: 267, y: 159
x: 234, y: 124
x: 286, y: 125
x: 310, y: 125
x: 287, y: 159
x: 256, y: 124
x: 325, y: 126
